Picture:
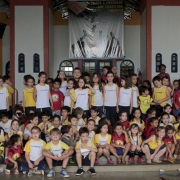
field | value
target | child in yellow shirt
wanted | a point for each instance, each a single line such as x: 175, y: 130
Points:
x: 79, y: 113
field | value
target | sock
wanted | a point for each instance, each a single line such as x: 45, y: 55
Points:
x: 131, y: 154
x: 140, y: 153
x: 91, y: 168
x: 63, y: 169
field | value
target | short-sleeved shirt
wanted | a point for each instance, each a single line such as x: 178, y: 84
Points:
x: 6, y: 126
x: 52, y: 127
x: 96, y: 120
x: 3, y: 96
x: 151, y: 130
x: 56, y: 149
x: 15, y: 153
x: 145, y: 102
x: 67, y: 99
x: 177, y: 136
x: 66, y: 122
x: 139, y: 123
x: 125, y: 124
x: 172, y: 119
x: 102, y: 140
x: 81, y: 122
x: 67, y: 140
x: 153, y: 144
x: 28, y: 97
x: 168, y: 140
x: 57, y: 98
x: 41, y: 125
x: 118, y: 140
x: 176, y: 126
x: 20, y: 133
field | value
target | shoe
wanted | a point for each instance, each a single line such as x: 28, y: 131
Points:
x: 30, y: 172
x: 96, y: 161
x: 91, y: 171
x: 110, y: 161
x: 16, y: 171
x: 80, y: 171
x: 71, y: 161
x: 7, y: 171
x: 140, y: 159
x: 51, y: 173
x: 24, y: 172
x: 63, y: 173
x: 39, y: 172
x: 131, y: 160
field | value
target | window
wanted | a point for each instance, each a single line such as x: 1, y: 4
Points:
x: 89, y: 66
x: 174, y: 63
x: 36, y: 63
x: 126, y: 68
x: 21, y: 65
x: 158, y: 61
x: 8, y: 68
x: 67, y: 67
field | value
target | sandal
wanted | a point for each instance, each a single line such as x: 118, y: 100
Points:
x: 123, y: 160
x: 110, y: 161
x: 16, y: 171
x: 7, y: 171
x: 119, y: 160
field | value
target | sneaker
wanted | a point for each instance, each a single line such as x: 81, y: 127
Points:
x: 51, y: 173
x: 131, y: 160
x: 92, y: 171
x: 80, y: 171
x: 39, y: 172
x: 64, y: 173
x: 140, y: 159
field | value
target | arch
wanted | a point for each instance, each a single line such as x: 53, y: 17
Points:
x: 21, y: 63
x: 126, y: 68
x: 158, y: 61
x: 174, y: 63
x: 36, y: 63
x: 67, y: 67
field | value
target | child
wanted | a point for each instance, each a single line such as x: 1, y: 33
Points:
x: 137, y: 119
x: 97, y: 97
x: 165, y: 120
x: 111, y: 91
x: 85, y: 152
x: 42, y: 95
x: 76, y: 74
x: 56, y: 123
x: 120, y: 142
x: 105, y: 70
x: 2, y: 140
x: 14, y: 154
x: 145, y: 101
x: 135, y: 90
x: 33, y: 153
x: 54, y: 154
x: 50, y: 82
x: 57, y: 97
x: 125, y: 99
x: 154, y: 147
x: 176, y: 98
x: 102, y: 141
x: 94, y: 111
x: 152, y: 127
x: 5, y: 123
x: 147, y: 83
x: 91, y: 126
x: 4, y: 95
x: 33, y: 118
x: 167, y: 108
x: 86, y: 75
x: 177, y: 150
x: 65, y: 111
x: 135, y: 141
x: 70, y: 95
x: 178, y: 122
x: 170, y: 142
x: 79, y: 114
x: 161, y: 95
x: 62, y: 76
x: 82, y: 96
x: 123, y: 119
x: 28, y: 99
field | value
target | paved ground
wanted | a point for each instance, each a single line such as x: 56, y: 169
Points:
x: 171, y: 175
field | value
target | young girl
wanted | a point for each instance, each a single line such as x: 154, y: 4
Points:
x: 14, y: 154
x: 167, y: 108
x: 111, y: 91
x: 135, y: 141
x: 82, y: 96
x: 152, y: 127
x: 61, y: 75
x: 42, y: 95
x: 125, y: 98
x: 154, y: 147
x: 170, y: 142
x: 123, y: 119
x: 106, y: 69
x: 28, y: 100
x: 102, y: 141
x: 165, y: 120
x: 137, y: 119
x: 70, y: 95
x: 176, y: 98
x: 97, y: 97
x: 147, y: 83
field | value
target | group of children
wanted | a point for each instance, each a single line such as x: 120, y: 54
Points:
x: 80, y: 119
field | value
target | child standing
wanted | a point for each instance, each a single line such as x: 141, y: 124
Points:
x: 167, y: 108
x: 76, y: 74
x: 85, y: 153
x: 125, y: 99
x: 62, y: 76
x: 94, y: 111
x: 97, y: 97
x: 176, y: 98
x: 161, y: 95
x: 170, y: 142
x: 145, y: 101
x: 135, y: 141
x: 33, y: 153
x: 57, y: 97
x: 28, y: 99
x: 42, y: 95
x: 79, y: 114
x: 111, y: 91
x: 54, y: 154
x: 123, y: 119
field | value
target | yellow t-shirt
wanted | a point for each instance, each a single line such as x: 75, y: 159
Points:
x: 96, y: 120
x: 10, y: 91
x: 102, y: 140
x: 41, y: 125
x: 177, y: 136
x: 20, y: 133
x: 172, y: 119
x: 176, y: 126
x: 66, y: 122
x: 81, y: 122
x: 2, y: 149
x: 138, y: 122
x: 145, y: 102
x: 160, y: 93
x: 90, y: 144
x: 2, y: 139
x: 28, y: 97
x: 154, y: 143
x: 56, y: 149
x: 52, y: 127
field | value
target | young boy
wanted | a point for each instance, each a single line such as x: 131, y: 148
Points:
x: 5, y: 123
x: 160, y: 96
x: 91, y: 126
x: 145, y: 101
x: 76, y: 74
x: 79, y: 113
x: 33, y: 153
x: 94, y: 115
x: 167, y: 108
x: 135, y: 90
x: 85, y: 152
x: 54, y: 154
x: 4, y: 95
x: 65, y: 111
x: 57, y: 97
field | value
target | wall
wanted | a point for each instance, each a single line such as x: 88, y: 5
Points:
x: 143, y: 43
x: 165, y: 35
x: 28, y: 40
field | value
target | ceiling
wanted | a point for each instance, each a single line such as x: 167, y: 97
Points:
x: 129, y: 6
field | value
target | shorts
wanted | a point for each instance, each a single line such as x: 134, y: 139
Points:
x: 152, y: 150
x: 86, y: 114
x: 120, y: 152
x: 86, y: 161
x: 57, y: 163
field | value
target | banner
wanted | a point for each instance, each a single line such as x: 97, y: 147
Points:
x: 96, y: 29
